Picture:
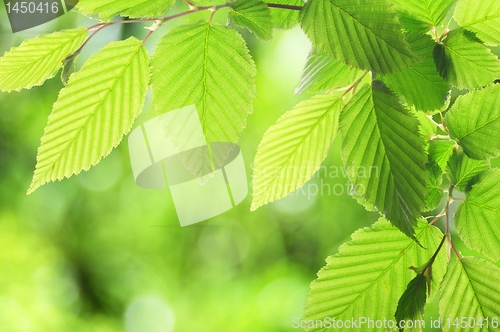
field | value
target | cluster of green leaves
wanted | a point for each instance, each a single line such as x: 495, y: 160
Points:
x: 381, y: 73
x: 397, y: 121
x: 205, y: 64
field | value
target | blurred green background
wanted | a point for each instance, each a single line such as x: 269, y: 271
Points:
x: 98, y: 253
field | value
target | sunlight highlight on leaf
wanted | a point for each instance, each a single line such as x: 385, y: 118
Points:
x: 38, y: 59
x: 94, y: 111
x: 209, y: 66
x: 293, y: 149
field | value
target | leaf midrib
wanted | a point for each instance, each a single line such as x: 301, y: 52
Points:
x: 480, y: 307
x: 487, y: 18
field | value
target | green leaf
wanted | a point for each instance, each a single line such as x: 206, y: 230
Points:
x: 94, y: 111
x: 477, y: 217
x: 322, y: 73
x: 464, y: 62
x: 209, y: 66
x: 285, y: 18
x: 38, y: 59
x: 370, y: 273
x: 474, y: 121
x: 481, y: 17
x: 127, y: 8
x: 431, y: 12
x: 293, y: 149
x: 420, y: 84
x: 253, y: 15
x: 366, y: 35
x: 470, y: 290
x: 412, y: 302
x: 427, y: 127
x: 380, y: 136
x: 434, y: 191
x: 440, y: 150
x: 462, y: 169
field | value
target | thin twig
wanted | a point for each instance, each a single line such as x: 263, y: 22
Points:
x: 433, y: 258
x: 447, y: 208
x: 354, y: 85
x: 436, y: 218
x: 290, y: 7
x: 99, y: 26
x: 192, y: 9
x: 455, y: 250
x: 148, y: 35
x: 448, y: 233
x: 87, y: 40
x: 434, y: 136
x: 190, y: 4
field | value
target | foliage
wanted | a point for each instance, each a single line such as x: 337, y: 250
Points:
x: 374, y: 267
x: 106, y: 95
x: 38, y: 59
x: 310, y: 129
x: 380, y: 135
x: 381, y: 72
x: 475, y: 280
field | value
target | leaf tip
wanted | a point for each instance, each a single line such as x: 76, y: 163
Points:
x: 33, y: 186
x: 254, y: 206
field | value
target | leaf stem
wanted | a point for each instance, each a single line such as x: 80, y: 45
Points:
x: 99, y: 26
x: 447, y: 208
x: 448, y: 233
x: 88, y: 39
x: 440, y: 137
x: 427, y: 268
x: 455, y: 249
x: 443, y: 124
x: 354, y: 85
x: 190, y: 4
x: 433, y: 258
x: 148, y: 35
x: 436, y: 218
